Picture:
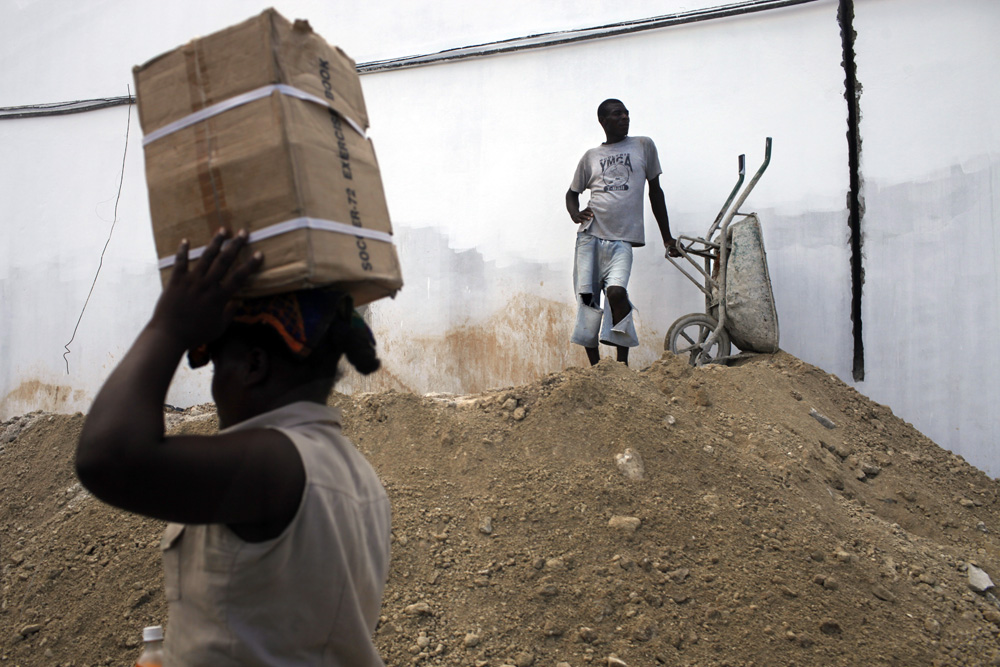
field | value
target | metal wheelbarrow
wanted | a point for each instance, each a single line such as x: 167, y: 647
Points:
x: 732, y: 273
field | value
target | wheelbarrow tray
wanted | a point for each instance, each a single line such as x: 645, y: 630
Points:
x: 751, y: 318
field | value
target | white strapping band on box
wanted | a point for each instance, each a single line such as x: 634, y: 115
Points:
x: 240, y: 100
x: 281, y: 227
x: 290, y: 226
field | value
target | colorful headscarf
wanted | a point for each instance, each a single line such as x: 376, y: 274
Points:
x: 300, y: 318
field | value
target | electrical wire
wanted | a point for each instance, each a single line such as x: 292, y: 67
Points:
x: 511, y: 45
x: 63, y: 108
x: 114, y: 221
x: 562, y: 37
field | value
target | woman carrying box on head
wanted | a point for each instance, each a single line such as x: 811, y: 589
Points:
x: 278, y: 546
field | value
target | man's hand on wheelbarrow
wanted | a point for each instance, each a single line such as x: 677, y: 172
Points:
x: 671, y: 244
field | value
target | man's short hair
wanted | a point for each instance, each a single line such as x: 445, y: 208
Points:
x: 602, y: 108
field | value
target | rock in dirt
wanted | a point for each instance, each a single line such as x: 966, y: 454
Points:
x: 979, y: 581
x: 419, y: 609
x: 630, y: 465
x: 625, y: 524
x: 524, y: 659
x: 822, y: 419
x: 883, y: 593
x: 31, y: 629
x: 830, y: 626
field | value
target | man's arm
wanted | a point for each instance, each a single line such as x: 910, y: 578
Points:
x: 573, y: 207
x: 123, y: 456
x: 659, y: 205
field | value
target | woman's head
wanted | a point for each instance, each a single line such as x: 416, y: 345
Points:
x: 285, y: 345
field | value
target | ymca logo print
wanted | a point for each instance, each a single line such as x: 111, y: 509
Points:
x: 615, y: 170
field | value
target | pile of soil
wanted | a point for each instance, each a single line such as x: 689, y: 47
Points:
x: 762, y: 514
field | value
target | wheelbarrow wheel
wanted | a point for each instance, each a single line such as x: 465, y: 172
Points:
x: 687, y: 336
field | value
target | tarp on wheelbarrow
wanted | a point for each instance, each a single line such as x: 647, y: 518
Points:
x: 751, y: 319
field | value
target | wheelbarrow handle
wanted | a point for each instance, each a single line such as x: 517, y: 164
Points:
x: 732, y: 196
x: 700, y: 253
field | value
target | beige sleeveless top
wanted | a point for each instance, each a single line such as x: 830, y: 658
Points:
x: 312, y: 595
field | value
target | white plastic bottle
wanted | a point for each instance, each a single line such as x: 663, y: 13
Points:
x: 152, y: 650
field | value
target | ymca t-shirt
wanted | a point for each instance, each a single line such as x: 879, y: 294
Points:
x: 616, y: 176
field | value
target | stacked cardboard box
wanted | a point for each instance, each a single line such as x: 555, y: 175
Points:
x: 262, y: 126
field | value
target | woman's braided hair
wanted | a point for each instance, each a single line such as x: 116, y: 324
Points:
x: 310, y: 329
x: 356, y: 341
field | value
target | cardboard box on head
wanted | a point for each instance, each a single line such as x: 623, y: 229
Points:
x: 262, y: 126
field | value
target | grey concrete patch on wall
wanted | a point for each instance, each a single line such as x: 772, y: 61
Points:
x: 932, y: 308
x: 808, y: 257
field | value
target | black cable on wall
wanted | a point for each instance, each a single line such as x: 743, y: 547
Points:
x: 541, y: 40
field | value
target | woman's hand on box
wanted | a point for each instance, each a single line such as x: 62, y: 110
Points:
x: 197, y: 303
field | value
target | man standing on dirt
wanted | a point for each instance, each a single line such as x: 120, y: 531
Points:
x: 610, y: 226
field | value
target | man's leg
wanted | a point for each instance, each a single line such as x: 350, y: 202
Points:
x: 620, y: 307
x: 588, y: 320
x: 616, y: 273
x: 593, y: 354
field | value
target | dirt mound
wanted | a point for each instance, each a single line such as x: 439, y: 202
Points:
x: 765, y: 514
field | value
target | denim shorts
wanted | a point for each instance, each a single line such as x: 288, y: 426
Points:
x: 599, y: 263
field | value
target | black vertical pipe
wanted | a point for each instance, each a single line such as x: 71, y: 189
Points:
x: 855, y: 202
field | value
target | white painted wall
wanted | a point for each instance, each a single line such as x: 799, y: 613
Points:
x: 486, y: 151
x: 476, y: 157
x: 931, y: 163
